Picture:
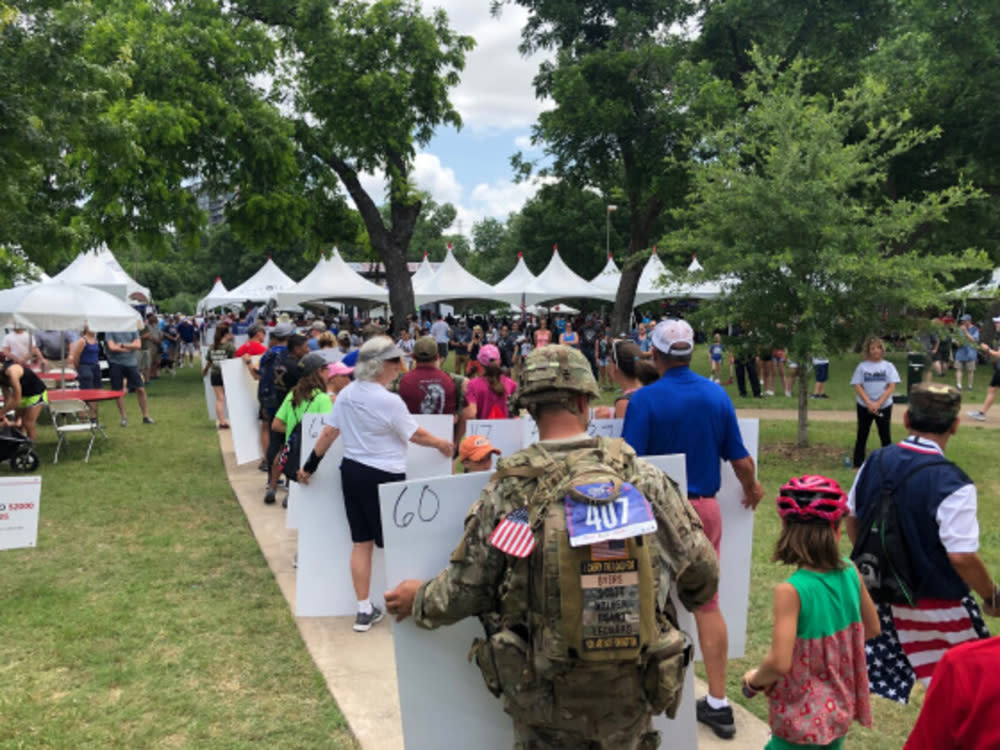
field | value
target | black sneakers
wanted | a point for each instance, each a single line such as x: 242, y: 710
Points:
x: 719, y: 720
x: 364, y: 621
x: 270, y: 496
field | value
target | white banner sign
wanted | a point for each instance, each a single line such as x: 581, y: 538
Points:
x: 241, y: 404
x: 19, y: 504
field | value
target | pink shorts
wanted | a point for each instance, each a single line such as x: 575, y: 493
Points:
x: 707, y: 509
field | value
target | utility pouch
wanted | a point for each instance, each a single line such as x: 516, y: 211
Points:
x: 482, y: 652
x: 663, y: 676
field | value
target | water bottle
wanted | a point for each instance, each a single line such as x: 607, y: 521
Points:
x: 847, y: 461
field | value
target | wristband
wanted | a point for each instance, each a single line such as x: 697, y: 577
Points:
x: 312, y: 463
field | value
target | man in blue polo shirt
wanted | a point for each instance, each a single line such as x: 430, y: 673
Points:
x: 684, y: 412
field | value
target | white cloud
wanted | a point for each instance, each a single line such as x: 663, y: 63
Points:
x: 438, y: 180
x: 524, y: 143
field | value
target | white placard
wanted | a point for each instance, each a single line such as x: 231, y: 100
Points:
x: 241, y: 405
x: 423, y: 521
x: 323, y: 578
x: 506, y: 435
x: 609, y: 428
x: 20, y: 498
x: 291, y: 512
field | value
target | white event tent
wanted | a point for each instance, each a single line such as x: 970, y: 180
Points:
x: 332, y: 279
x: 985, y: 289
x: 609, y: 277
x: 558, y: 281
x: 650, y: 287
x: 134, y: 289
x: 262, y: 286
x: 217, y: 297
x: 424, y: 272
x: 703, y: 289
x: 452, y: 282
x: 513, y: 285
x: 88, y: 270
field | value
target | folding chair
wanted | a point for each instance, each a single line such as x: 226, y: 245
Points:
x: 66, y: 409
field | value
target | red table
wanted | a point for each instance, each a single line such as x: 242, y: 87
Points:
x: 84, y: 394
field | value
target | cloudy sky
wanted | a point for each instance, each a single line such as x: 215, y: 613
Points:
x: 471, y: 168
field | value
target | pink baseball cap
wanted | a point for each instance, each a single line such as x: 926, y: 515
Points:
x: 338, y: 368
x: 487, y: 354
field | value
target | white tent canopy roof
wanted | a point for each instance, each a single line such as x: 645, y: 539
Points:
x: 650, y: 288
x: 58, y: 306
x: 515, y: 283
x: 980, y: 289
x: 262, y: 286
x: 133, y: 287
x: 451, y: 281
x: 217, y: 297
x: 609, y: 277
x: 558, y: 281
x: 423, y: 273
x: 89, y: 270
x: 332, y: 279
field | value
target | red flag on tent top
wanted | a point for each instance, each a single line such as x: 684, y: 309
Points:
x: 654, y: 249
x: 555, y: 248
x: 520, y: 254
x: 449, y: 246
x: 218, y: 279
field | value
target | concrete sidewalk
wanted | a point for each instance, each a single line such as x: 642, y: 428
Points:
x: 363, y: 680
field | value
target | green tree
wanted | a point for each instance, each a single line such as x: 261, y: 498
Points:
x: 371, y: 84
x: 791, y: 202
x: 621, y: 87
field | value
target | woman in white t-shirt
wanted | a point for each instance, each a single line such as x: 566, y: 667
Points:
x: 874, y: 381
x: 376, y: 427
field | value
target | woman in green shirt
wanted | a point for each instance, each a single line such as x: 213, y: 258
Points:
x: 309, y: 396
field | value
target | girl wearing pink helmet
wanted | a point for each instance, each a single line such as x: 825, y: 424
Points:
x: 487, y: 394
x: 815, y: 673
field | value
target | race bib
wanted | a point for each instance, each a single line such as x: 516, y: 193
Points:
x: 628, y: 515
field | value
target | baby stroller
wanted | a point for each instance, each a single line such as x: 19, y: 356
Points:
x: 17, y: 450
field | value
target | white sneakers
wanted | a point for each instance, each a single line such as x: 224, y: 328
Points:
x: 978, y: 416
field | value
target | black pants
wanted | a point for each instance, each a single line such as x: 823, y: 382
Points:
x: 747, y: 368
x: 882, y: 420
x: 275, y: 442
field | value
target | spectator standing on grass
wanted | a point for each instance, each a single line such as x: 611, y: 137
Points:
x: 814, y: 673
x: 683, y: 412
x: 991, y: 393
x: 461, y: 342
x: 715, y: 353
x: 152, y: 339
x: 821, y: 369
x: 268, y: 397
x: 376, y: 427
x: 85, y: 358
x: 874, y: 381
x: 427, y: 389
x: 966, y: 350
x: 123, y: 371
x: 441, y: 332
x: 187, y: 332
x: 935, y: 504
x: 20, y: 349
x: 487, y: 394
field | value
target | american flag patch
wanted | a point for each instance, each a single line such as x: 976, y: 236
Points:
x: 613, y: 549
x: 513, y: 535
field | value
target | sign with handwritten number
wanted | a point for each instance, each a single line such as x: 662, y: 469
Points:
x: 506, y: 435
x: 323, y: 579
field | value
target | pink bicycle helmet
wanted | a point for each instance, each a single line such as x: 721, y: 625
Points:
x: 812, y: 496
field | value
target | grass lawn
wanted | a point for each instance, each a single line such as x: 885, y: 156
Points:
x: 147, y: 617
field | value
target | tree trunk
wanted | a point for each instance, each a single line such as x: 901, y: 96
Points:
x: 625, y: 299
x: 641, y: 218
x: 802, y: 376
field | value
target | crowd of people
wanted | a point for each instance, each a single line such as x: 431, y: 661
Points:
x: 842, y: 628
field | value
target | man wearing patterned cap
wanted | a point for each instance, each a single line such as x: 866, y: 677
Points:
x: 935, y: 505
x: 684, y: 412
x: 590, y: 665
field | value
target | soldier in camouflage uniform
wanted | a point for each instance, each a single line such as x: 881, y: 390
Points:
x: 545, y: 653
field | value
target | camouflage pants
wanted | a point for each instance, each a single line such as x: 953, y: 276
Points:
x: 593, y: 709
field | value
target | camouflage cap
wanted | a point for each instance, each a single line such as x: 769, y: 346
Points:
x: 551, y: 370
x: 935, y: 401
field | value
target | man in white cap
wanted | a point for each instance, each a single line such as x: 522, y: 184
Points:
x: 684, y: 412
x: 991, y: 394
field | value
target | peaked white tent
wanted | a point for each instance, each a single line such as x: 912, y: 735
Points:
x: 134, y: 289
x: 88, y: 270
x: 704, y: 289
x: 333, y: 280
x: 609, y: 277
x: 558, y: 281
x: 514, y: 283
x: 650, y: 288
x: 262, y: 286
x: 423, y: 273
x: 452, y: 282
x: 986, y: 289
x: 217, y: 297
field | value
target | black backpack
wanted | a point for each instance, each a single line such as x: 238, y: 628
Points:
x: 291, y: 455
x: 271, y: 362
x: 881, y: 551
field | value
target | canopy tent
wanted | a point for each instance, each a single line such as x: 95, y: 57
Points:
x: 452, y: 282
x: 134, y: 289
x: 654, y: 281
x: 984, y: 289
x: 609, y: 277
x: 556, y: 309
x: 217, y: 297
x: 332, y: 280
x: 701, y: 289
x: 423, y: 273
x: 558, y: 281
x: 89, y: 270
x: 262, y: 286
x: 59, y: 306
x: 512, y: 286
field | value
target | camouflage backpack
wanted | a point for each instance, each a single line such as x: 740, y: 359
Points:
x: 587, y: 592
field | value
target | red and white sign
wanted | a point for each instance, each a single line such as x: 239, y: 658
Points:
x: 19, y: 501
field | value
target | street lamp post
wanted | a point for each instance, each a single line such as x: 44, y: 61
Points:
x: 607, y: 228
